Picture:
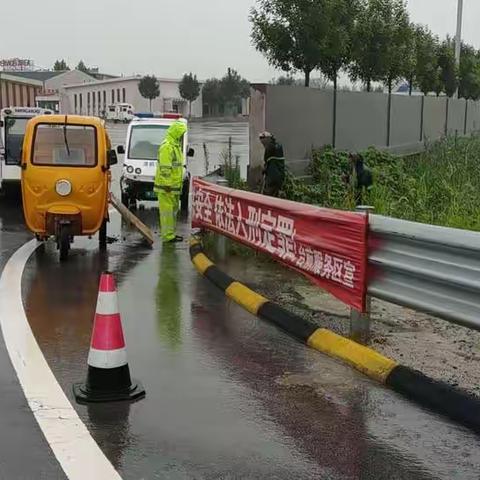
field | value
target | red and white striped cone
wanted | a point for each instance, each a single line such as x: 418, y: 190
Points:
x: 108, y: 378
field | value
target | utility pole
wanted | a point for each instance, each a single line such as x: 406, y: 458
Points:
x: 458, y: 38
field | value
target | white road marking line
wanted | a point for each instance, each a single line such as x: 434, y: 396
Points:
x: 77, y: 452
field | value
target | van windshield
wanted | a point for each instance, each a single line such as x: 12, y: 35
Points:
x: 73, y: 146
x: 14, y: 133
x: 145, y: 140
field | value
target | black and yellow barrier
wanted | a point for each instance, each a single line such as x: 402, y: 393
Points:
x: 435, y: 395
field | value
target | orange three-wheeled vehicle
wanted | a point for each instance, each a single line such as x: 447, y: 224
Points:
x: 66, y: 177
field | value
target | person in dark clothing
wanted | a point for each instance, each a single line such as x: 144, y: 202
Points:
x: 274, y: 165
x: 363, y: 177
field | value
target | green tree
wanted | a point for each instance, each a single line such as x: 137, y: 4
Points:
x: 411, y: 60
x: 82, y: 67
x: 447, y: 68
x: 382, y: 42
x: 399, y: 43
x: 425, y: 72
x: 469, y: 73
x: 291, y: 33
x: 369, y: 39
x: 336, y: 50
x: 212, y: 96
x: 284, y: 80
x: 149, y: 88
x: 60, y: 66
x: 226, y: 93
x: 233, y: 88
x: 189, y: 89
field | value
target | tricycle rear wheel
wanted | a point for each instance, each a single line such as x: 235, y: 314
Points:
x: 64, y: 243
x: 102, y: 235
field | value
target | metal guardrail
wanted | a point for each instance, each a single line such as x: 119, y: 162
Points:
x: 431, y: 269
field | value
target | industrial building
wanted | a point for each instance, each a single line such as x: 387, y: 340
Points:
x: 93, y: 98
x: 76, y: 92
x: 44, y: 89
x: 16, y: 91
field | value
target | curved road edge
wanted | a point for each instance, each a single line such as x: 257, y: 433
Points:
x: 76, y: 451
x: 435, y: 395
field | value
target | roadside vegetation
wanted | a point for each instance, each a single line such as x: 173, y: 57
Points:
x: 374, y: 42
x: 439, y: 186
x: 223, y: 97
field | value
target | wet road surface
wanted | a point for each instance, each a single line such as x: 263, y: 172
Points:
x: 228, y: 396
x: 215, y: 135
x: 24, y: 453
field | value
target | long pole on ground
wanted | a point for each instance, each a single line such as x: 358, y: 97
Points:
x: 458, y: 37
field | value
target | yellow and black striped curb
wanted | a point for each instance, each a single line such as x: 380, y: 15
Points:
x: 433, y: 394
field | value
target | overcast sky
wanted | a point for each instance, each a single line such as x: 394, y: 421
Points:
x: 164, y: 37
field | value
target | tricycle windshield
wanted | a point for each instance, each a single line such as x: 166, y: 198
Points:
x: 65, y: 145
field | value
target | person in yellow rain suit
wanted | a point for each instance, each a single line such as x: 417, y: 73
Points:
x: 169, y: 180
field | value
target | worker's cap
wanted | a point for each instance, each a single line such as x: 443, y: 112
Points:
x: 265, y: 135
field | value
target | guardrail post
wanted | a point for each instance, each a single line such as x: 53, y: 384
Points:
x: 360, y: 322
x: 221, y: 239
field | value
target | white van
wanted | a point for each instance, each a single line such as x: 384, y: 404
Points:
x: 144, y: 137
x: 120, y: 112
x: 13, y: 121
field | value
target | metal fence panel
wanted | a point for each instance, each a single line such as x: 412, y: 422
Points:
x: 427, y: 268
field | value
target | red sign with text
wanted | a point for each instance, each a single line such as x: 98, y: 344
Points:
x: 328, y: 246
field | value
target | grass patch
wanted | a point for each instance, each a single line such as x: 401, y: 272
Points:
x: 440, y: 186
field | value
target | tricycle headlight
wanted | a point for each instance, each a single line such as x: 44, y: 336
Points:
x: 129, y: 169
x: 63, y: 188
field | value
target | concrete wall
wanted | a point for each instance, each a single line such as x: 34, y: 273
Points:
x: 473, y: 117
x: 434, y: 118
x: 301, y: 118
x: 456, y: 116
x: 311, y: 106
x: 256, y: 126
x: 406, y: 120
x: 361, y: 120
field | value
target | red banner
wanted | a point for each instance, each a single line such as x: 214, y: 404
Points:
x: 328, y: 246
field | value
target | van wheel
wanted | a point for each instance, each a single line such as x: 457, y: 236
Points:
x: 102, y: 236
x: 64, y: 243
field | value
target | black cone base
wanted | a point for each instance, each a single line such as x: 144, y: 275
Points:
x: 108, y: 385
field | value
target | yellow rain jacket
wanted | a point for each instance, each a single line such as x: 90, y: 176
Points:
x: 171, y: 161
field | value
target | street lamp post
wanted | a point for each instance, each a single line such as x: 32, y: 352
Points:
x: 458, y: 37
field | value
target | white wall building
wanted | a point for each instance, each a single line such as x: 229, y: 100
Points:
x: 54, y: 95
x: 93, y: 98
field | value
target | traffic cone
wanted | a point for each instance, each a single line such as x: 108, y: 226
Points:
x: 108, y: 377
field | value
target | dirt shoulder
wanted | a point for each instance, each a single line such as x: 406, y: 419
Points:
x: 435, y: 347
